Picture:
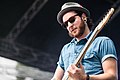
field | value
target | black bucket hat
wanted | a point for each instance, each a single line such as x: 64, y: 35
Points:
x: 71, y: 6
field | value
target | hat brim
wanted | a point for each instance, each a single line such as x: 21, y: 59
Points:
x: 62, y: 12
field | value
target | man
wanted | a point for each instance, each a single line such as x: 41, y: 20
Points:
x: 100, y: 60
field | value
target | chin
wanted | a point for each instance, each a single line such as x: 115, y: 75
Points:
x: 73, y: 35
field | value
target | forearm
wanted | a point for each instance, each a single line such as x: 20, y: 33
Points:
x: 105, y: 76
x: 58, y: 73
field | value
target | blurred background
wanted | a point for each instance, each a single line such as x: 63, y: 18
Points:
x: 31, y: 38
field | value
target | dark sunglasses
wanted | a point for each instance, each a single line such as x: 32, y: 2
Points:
x: 71, y: 20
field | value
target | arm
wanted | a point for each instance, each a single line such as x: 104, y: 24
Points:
x: 109, y: 64
x: 109, y: 67
x: 110, y: 71
x: 59, y: 72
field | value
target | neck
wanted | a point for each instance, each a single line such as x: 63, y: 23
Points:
x: 86, y: 32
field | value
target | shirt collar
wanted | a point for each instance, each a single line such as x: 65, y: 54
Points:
x: 87, y: 37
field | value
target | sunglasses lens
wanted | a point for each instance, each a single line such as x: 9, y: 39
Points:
x: 71, y: 20
x: 65, y: 24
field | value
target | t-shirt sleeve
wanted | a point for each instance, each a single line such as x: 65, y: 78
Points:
x: 107, y: 49
x: 60, y: 62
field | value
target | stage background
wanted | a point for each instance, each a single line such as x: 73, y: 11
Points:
x: 31, y: 35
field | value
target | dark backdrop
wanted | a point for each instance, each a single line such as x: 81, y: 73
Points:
x: 38, y: 44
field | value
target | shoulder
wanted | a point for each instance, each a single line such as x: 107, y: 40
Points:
x: 105, y: 43
x: 102, y: 39
x: 67, y: 45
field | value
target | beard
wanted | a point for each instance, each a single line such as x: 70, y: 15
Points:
x: 78, y: 31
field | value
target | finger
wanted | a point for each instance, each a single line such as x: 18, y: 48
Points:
x: 73, y: 66
x: 70, y: 74
x: 80, y: 65
x: 72, y: 69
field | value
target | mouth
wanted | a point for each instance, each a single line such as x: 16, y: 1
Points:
x: 73, y: 30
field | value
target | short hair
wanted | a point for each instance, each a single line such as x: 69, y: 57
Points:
x: 89, y: 20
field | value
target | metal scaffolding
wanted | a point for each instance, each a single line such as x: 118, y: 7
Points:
x: 11, y: 49
x: 25, y: 19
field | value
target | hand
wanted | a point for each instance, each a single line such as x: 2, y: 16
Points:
x: 76, y: 73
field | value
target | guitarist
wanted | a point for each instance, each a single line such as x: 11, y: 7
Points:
x: 100, y: 60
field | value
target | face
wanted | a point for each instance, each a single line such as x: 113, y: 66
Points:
x: 74, y: 24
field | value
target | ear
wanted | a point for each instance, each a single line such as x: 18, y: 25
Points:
x: 84, y: 18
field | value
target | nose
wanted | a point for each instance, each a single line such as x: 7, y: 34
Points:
x: 70, y: 25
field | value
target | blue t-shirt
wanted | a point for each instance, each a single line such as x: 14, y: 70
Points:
x: 100, y: 49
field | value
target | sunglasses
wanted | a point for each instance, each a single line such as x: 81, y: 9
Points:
x: 71, y: 20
